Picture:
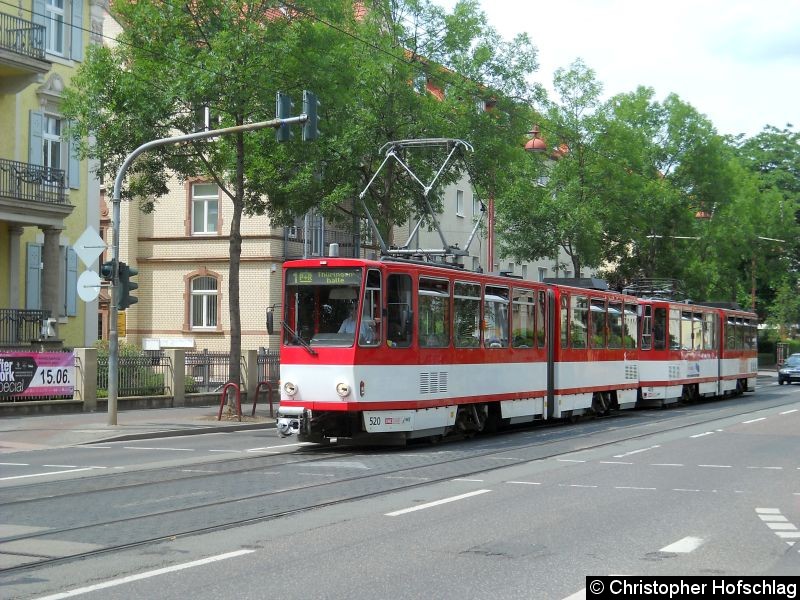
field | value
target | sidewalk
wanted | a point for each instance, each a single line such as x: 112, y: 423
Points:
x: 59, y: 430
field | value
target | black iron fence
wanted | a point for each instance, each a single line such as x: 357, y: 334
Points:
x: 24, y: 181
x: 316, y: 240
x: 21, y: 36
x: 207, y: 371
x: 20, y: 326
x: 138, y: 375
x: 269, y: 366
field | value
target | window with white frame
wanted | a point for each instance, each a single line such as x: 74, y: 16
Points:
x: 542, y: 273
x: 524, y: 271
x: 205, y: 208
x: 476, y: 206
x: 55, y: 16
x: 204, y: 303
x: 51, y: 142
x: 459, y: 203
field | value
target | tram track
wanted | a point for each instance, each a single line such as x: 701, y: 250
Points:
x: 288, y: 500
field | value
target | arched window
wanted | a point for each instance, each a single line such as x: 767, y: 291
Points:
x: 204, y: 303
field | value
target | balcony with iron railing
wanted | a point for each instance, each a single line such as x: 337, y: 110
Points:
x: 20, y: 327
x: 22, y: 45
x: 315, y: 240
x: 32, y: 183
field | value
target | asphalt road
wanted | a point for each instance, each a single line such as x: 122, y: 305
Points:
x: 706, y: 489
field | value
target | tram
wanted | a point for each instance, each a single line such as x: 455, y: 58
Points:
x: 432, y: 349
x: 413, y: 346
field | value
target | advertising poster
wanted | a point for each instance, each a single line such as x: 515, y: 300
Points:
x: 31, y: 374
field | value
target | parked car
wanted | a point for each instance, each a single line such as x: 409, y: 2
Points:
x: 790, y: 370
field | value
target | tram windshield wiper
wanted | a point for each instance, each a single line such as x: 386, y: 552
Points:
x: 298, y: 339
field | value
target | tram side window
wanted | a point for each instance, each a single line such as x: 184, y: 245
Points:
x: 660, y: 329
x: 579, y: 326
x: 708, y: 331
x: 434, y: 313
x: 647, y: 327
x: 674, y: 329
x: 739, y: 334
x: 598, y: 312
x: 697, y: 331
x: 630, y: 325
x: 370, y: 331
x: 398, y: 291
x: 467, y: 314
x: 686, y: 330
x: 750, y: 333
x: 523, y: 319
x: 565, y: 321
x: 730, y: 335
x: 495, y: 317
x: 614, y: 325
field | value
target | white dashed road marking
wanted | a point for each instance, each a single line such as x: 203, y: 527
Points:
x: 404, y: 511
x: 683, y: 546
x: 636, y: 451
x: 145, y: 575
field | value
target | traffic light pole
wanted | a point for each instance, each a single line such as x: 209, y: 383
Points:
x: 113, y: 335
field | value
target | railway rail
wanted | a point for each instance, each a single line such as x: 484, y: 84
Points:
x: 196, y: 511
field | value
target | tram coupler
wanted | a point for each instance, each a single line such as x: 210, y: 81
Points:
x: 289, y: 420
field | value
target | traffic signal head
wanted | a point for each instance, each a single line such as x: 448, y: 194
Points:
x: 126, y: 286
x: 107, y: 270
x: 311, y: 110
x: 283, y: 110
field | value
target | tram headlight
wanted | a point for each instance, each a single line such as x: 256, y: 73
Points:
x: 289, y: 388
x: 343, y: 389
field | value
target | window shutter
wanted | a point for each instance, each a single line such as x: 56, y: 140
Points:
x: 38, y: 14
x: 73, y: 162
x: 72, y: 283
x: 76, y: 45
x: 33, y: 279
x: 35, y: 141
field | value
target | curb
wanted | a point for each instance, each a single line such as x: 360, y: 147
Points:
x: 146, y: 435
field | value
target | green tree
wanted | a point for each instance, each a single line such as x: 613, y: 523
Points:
x: 784, y: 313
x: 173, y: 60
x: 561, y: 199
x: 232, y: 56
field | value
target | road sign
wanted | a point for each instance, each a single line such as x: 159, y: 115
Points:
x: 89, y: 286
x: 122, y: 324
x: 89, y: 246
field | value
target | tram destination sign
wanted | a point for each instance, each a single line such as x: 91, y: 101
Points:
x: 323, y: 277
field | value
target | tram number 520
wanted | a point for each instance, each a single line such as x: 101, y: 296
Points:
x: 375, y: 421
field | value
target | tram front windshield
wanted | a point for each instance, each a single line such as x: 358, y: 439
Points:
x: 321, y: 306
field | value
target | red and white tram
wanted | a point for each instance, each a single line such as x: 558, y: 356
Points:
x: 692, y: 350
x: 390, y: 350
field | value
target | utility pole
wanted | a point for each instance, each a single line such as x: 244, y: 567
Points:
x: 113, y: 337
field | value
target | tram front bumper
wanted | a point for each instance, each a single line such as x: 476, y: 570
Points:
x: 291, y: 420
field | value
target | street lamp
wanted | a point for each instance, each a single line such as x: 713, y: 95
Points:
x: 535, y: 145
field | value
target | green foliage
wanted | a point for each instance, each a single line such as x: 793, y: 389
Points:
x: 232, y: 56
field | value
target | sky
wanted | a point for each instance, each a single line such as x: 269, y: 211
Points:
x: 735, y: 61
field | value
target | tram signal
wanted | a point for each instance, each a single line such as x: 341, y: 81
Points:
x: 107, y: 270
x: 283, y: 110
x: 126, y: 286
x: 311, y: 110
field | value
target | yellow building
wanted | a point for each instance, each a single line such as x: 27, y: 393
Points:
x: 48, y: 197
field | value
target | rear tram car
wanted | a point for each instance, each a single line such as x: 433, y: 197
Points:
x: 689, y: 351
x: 392, y: 350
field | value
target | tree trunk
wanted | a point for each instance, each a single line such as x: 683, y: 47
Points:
x: 234, y: 372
